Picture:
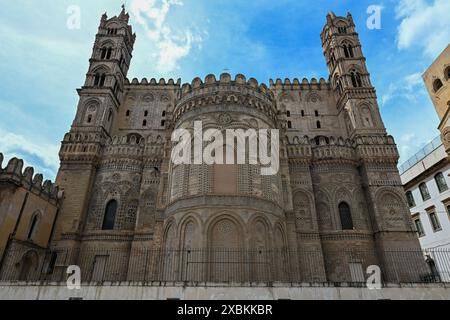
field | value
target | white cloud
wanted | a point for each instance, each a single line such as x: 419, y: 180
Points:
x: 425, y: 24
x: 171, y: 46
x: 14, y: 145
x: 409, y: 87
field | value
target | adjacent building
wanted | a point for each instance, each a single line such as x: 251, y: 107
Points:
x: 426, y: 176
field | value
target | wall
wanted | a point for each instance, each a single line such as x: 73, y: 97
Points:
x: 125, y: 291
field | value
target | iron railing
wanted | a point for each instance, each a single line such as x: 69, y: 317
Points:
x: 235, y: 266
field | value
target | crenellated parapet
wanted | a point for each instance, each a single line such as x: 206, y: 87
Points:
x: 376, y: 149
x: 153, y: 83
x: 304, y: 85
x: 210, y: 92
x: 82, y: 146
x: 15, y: 174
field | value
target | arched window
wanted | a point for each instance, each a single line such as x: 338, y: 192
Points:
x: 99, y: 79
x: 346, y: 216
x: 441, y: 183
x: 289, y: 125
x: 342, y: 29
x: 447, y: 73
x: 410, y: 198
x: 110, y: 215
x: 318, y: 125
x: 356, y: 79
x: 33, y: 225
x: 110, y: 115
x: 437, y: 84
x: 424, y: 191
x: 348, y: 51
x: 106, y: 53
x: 89, y: 119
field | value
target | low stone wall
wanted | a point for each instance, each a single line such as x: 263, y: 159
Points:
x: 158, y: 291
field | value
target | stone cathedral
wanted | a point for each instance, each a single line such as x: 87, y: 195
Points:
x: 125, y: 212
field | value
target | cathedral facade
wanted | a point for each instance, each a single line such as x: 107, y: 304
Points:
x: 127, y: 212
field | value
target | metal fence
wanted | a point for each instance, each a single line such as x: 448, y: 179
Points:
x: 228, y: 266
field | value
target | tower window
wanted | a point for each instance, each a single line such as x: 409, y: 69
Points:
x: 145, y: 113
x: 447, y: 73
x: 289, y: 125
x: 110, y: 215
x: 163, y: 123
x: 33, y: 225
x: 89, y: 119
x: 348, y: 51
x: 356, y: 79
x: 110, y: 115
x: 99, y: 80
x: 128, y: 113
x: 424, y: 192
x: 440, y: 182
x: 303, y: 113
x: 163, y: 114
x: 106, y: 53
x: 346, y: 216
x: 318, y: 125
x: 342, y: 29
x: 437, y: 84
x: 288, y: 114
x: 316, y: 113
x: 144, y: 123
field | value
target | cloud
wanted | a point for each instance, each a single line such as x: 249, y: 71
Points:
x: 424, y: 24
x: 43, y: 157
x: 409, y: 87
x: 171, y: 46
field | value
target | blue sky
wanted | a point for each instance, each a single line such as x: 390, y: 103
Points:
x: 42, y: 61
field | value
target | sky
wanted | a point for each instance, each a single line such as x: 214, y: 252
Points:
x: 46, y: 46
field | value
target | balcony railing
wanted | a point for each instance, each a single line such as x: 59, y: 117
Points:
x: 421, y: 154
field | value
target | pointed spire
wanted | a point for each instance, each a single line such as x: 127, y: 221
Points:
x: 123, y: 14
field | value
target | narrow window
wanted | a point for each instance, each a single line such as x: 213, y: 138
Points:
x: 434, y: 221
x: 447, y: 73
x: 410, y: 198
x: 424, y: 192
x: 110, y: 215
x: 89, y: 120
x: 346, y: 216
x: 52, y: 263
x: 163, y: 123
x: 319, y: 125
x: 316, y: 113
x: 33, y: 225
x: 303, y: 113
x: 289, y: 125
x: 145, y: 113
x: 441, y: 183
x: 102, y: 80
x: 419, y: 227
x: 144, y: 123
x: 110, y: 115
x: 288, y: 114
x: 128, y: 113
x: 437, y: 84
x: 356, y: 79
x: 163, y: 114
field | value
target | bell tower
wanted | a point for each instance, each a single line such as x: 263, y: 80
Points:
x: 350, y: 79
x: 98, y: 106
